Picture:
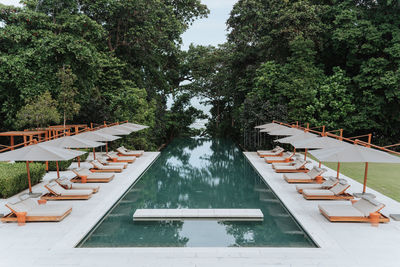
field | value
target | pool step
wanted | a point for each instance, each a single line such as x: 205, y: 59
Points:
x: 198, y: 214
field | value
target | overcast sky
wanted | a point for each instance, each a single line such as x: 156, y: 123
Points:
x: 209, y: 31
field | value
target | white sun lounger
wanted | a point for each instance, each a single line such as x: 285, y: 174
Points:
x: 36, y: 212
x: 116, y: 158
x: 286, y: 157
x: 57, y: 192
x: 103, y: 161
x: 361, y: 211
x: 337, y: 192
x: 122, y: 151
x: 98, y: 167
x: 270, y: 153
x: 92, y: 177
x: 299, y: 166
x: 67, y: 184
x: 329, y: 183
x: 313, y: 176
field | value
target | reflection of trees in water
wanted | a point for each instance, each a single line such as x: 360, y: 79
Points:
x: 221, y: 178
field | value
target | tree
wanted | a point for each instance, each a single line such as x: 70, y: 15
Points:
x: 66, y: 96
x: 39, y: 111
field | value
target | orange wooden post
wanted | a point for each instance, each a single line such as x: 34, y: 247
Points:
x: 323, y: 130
x: 58, y: 171
x: 12, y: 142
x: 338, y: 170
x: 47, y: 166
x: 94, y: 154
x: 24, y: 140
x: 305, y: 154
x: 42, y: 201
x: 374, y: 217
x: 83, y: 179
x: 91, y: 125
x: 79, y: 161
x: 29, y: 177
x: 21, y: 218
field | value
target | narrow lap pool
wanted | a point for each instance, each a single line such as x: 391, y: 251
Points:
x: 199, y: 173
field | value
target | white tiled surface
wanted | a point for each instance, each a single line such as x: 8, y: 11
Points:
x: 342, y: 244
x: 171, y: 214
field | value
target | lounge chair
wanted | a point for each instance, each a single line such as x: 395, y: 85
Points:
x: 91, y: 177
x: 98, y: 167
x: 299, y: 166
x: 112, y: 156
x: 67, y: 184
x: 57, y: 192
x: 364, y: 210
x: 122, y: 151
x: 330, y: 182
x: 291, y: 163
x: 276, y: 152
x: 286, y: 157
x: 313, y: 176
x: 337, y: 192
x: 36, y: 212
x: 104, y: 161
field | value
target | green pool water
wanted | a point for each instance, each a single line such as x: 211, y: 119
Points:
x: 199, y: 173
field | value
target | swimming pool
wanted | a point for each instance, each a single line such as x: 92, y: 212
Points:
x: 199, y: 173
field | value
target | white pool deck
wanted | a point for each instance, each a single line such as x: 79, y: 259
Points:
x: 341, y: 244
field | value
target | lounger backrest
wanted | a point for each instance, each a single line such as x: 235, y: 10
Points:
x: 300, y: 164
x: 55, y: 188
x: 65, y: 182
x: 121, y: 150
x: 102, y: 160
x: 97, y: 164
x: 315, y: 171
x: 340, y: 187
x: 330, y: 181
x: 82, y: 171
x: 112, y: 155
x: 368, y: 205
x: 17, y: 207
x: 278, y: 150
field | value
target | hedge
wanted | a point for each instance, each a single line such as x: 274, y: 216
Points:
x: 14, y: 179
x: 83, y: 157
x: 62, y: 165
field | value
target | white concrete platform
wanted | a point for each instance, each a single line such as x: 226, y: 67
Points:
x: 198, y: 214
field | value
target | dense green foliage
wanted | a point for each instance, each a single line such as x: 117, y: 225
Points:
x: 62, y: 165
x: 38, y: 111
x: 13, y: 177
x: 125, y: 56
x: 335, y: 63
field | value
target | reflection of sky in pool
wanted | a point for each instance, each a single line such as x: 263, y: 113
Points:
x: 199, y: 173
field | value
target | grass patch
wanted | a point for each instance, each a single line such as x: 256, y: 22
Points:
x: 382, y: 177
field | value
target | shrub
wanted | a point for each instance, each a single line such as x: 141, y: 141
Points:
x: 14, y: 179
x: 83, y: 157
x: 62, y: 165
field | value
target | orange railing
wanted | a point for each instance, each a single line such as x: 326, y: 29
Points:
x: 92, y: 127
x: 353, y: 140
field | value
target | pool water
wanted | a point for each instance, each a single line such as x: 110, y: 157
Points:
x: 199, y: 173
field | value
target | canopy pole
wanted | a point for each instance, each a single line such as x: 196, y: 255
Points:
x: 79, y: 161
x: 319, y: 166
x: 365, y: 177
x: 58, y: 170
x: 94, y: 154
x: 305, y: 154
x: 29, y: 177
x: 338, y: 170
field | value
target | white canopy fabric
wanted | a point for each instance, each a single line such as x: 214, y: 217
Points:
x: 287, y: 131
x: 127, y: 128
x: 317, y: 143
x: 264, y: 126
x: 113, y: 131
x: 73, y: 142
x: 297, y: 137
x: 135, y: 125
x: 40, y: 152
x: 97, y: 136
x: 273, y: 127
x: 354, y: 153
